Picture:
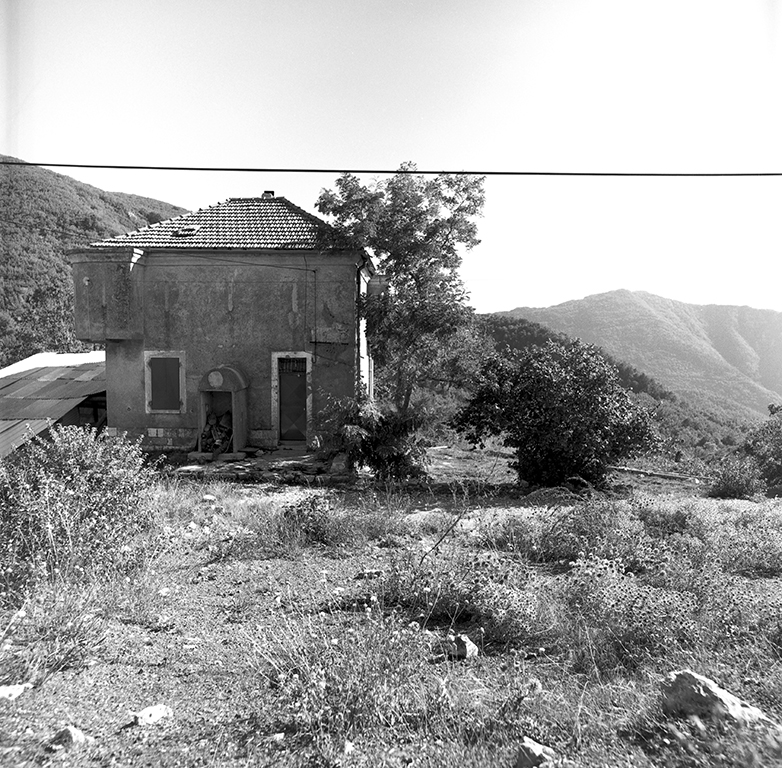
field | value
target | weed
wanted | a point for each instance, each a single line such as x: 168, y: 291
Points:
x: 57, y: 628
x: 737, y: 478
x: 615, y: 621
x: 516, y: 532
x: 336, y: 683
x: 69, y: 506
x: 599, y: 528
x: 750, y: 543
x: 494, y: 594
x: 662, y: 518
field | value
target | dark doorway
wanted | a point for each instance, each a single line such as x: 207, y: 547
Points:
x: 293, y: 399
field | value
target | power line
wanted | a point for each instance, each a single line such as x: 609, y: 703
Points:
x: 386, y: 171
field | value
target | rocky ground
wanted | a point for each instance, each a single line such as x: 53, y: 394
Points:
x: 184, y: 672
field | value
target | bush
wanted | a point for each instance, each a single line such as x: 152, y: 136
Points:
x: 597, y: 528
x: 737, y: 479
x: 750, y: 543
x: 561, y: 408
x: 334, y: 683
x: 492, y: 592
x: 617, y: 621
x: 661, y: 518
x: 764, y: 445
x: 70, y: 505
x: 371, y: 436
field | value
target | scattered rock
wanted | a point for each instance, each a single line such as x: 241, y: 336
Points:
x: 686, y: 693
x: 12, y: 692
x: 152, y: 715
x: 461, y: 647
x: 532, y: 754
x: 70, y: 736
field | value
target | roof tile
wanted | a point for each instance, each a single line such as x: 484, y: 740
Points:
x: 239, y: 222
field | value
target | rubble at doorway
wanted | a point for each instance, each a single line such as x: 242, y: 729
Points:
x: 287, y: 465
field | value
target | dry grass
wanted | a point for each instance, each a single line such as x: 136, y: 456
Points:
x: 310, y: 627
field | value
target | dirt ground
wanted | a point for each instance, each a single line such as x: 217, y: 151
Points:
x: 188, y: 643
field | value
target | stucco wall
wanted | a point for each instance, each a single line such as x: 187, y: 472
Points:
x: 225, y: 308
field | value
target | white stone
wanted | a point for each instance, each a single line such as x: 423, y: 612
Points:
x: 686, y: 693
x: 208, y: 498
x: 531, y: 754
x: 12, y: 692
x: 465, y: 648
x: 460, y: 647
x: 153, y: 714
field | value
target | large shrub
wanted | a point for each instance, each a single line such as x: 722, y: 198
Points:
x: 764, y: 445
x: 562, y: 409
x: 737, y: 478
x: 70, y: 503
x: 371, y: 435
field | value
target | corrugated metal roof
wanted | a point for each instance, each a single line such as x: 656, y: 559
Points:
x: 239, y: 222
x: 42, y: 389
x: 14, y: 433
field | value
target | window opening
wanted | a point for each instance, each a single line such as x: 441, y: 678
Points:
x: 293, y: 365
x: 164, y: 382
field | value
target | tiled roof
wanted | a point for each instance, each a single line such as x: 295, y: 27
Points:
x: 44, y: 388
x: 239, y: 222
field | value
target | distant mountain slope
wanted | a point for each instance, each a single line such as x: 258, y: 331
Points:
x: 42, y: 215
x: 728, y: 357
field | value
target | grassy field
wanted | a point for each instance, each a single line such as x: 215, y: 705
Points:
x: 305, y: 626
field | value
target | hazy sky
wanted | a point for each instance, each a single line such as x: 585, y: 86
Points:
x: 554, y: 85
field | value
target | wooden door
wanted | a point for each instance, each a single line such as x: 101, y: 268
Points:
x: 293, y: 398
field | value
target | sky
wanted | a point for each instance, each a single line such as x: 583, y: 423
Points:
x: 674, y: 86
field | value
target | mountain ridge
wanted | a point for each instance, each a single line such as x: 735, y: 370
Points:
x: 727, y: 355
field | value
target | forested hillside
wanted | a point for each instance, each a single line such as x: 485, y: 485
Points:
x: 42, y: 215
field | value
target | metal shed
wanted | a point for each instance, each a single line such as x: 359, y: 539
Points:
x: 50, y: 388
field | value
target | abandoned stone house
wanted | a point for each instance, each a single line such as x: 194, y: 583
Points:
x: 239, y: 310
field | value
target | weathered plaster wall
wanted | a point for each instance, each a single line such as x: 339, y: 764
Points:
x: 230, y: 308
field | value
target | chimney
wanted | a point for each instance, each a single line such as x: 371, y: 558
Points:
x: 268, y: 193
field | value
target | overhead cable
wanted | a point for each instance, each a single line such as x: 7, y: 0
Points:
x: 385, y: 171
